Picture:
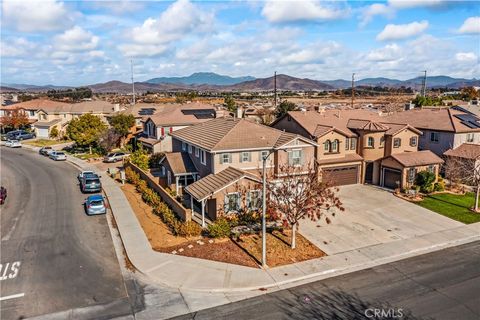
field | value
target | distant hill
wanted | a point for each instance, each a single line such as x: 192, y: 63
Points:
x: 33, y: 88
x: 200, y: 78
x: 140, y: 87
x: 8, y: 89
x: 284, y: 82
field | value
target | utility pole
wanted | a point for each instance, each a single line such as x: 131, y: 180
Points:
x: 353, y: 88
x: 424, y: 85
x: 133, y: 83
x: 275, y: 89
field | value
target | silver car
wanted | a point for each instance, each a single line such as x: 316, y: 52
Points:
x: 114, y: 157
x: 57, y: 155
x: 13, y: 144
x: 95, y: 205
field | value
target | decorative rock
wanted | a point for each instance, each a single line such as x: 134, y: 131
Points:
x: 174, y: 252
x: 201, y: 243
x: 180, y: 250
x: 190, y: 246
x: 210, y: 241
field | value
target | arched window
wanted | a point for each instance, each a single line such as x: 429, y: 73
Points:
x: 370, y: 142
x: 327, y: 146
x: 334, y: 146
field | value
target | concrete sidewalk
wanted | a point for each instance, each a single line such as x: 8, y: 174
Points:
x: 192, y: 274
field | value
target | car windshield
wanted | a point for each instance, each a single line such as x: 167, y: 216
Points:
x: 59, y: 153
x: 92, y: 181
x: 96, y: 203
x: 110, y: 154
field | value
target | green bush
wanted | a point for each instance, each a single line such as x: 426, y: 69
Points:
x: 219, y: 229
x: 132, y: 176
x: 151, y: 197
x: 425, y: 180
x: 140, y: 158
x: 179, y: 228
x: 440, y: 185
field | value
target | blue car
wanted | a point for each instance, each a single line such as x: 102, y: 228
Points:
x: 95, y: 205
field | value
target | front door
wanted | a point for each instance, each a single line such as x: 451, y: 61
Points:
x: 369, y: 172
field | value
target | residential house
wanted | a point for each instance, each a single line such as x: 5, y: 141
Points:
x: 169, y: 118
x: 218, y: 163
x: 443, y: 128
x: 467, y: 152
x: 359, y: 146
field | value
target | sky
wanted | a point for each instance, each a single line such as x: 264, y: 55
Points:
x: 85, y: 42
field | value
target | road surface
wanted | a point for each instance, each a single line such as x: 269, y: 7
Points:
x: 53, y: 256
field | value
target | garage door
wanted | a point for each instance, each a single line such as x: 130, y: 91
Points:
x: 390, y: 178
x: 342, y: 175
x: 42, y: 132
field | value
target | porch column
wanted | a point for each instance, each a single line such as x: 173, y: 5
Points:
x: 203, y: 213
x: 176, y: 184
x: 191, y: 205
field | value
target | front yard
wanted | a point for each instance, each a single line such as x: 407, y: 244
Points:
x: 43, y: 142
x: 453, y: 206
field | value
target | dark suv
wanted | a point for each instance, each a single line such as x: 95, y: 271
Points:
x: 90, y: 183
x: 20, y: 135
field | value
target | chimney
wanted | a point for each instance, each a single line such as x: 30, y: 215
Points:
x: 116, y: 107
x: 239, y: 112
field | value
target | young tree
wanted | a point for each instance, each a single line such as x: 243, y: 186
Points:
x: 465, y: 170
x: 140, y: 158
x: 230, y: 104
x: 284, y: 107
x: 86, y: 130
x: 425, y: 180
x: 121, y: 124
x: 108, y: 139
x: 54, y: 133
x: 15, y: 119
x: 302, y: 196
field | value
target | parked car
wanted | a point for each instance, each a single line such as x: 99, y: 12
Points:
x: 90, y: 183
x: 57, y: 155
x: 44, y: 151
x: 95, y: 205
x: 20, y: 135
x: 115, y: 157
x: 13, y: 144
x: 3, y: 194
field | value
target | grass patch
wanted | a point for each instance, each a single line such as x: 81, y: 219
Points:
x: 87, y: 156
x: 453, y: 206
x: 43, y: 142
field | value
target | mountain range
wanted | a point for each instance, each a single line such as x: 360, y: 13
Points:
x: 208, y: 81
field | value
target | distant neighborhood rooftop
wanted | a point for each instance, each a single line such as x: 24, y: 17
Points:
x: 465, y: 150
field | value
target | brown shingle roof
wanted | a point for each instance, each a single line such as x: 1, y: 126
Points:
x: 465, y: 150
x: 180, y: 163
x: 51, y: 106
x: 37, y: 104
x: 234, y: 134
x: 213, y: 183
x: 183, y: 114
x: 417, y: 158
x: 369, y: 125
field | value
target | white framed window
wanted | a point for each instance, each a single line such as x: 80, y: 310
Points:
x: 335, y: 146
x: 411, y: 175
x: 245, y: 156
x: 382, y: 142
x: 370, y: 142
x: 347, y: 143
x: 203, y: 156
x: 470, y: 137
x: 263, y: 154
x: 225, y: 158
x: 327, y: 146
x: 254, y: 199
x: 431, y: 168
x: 397, y: 142
x: 232, y: 202
x: 434, y: 136
x: 413, y: 141
x: 353, y: 144
x: 190, y: 150
x: 295, y: 157
x: 197, y: 152
x: 184, y: 146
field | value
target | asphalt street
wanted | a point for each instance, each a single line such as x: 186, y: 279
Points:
x: 440, y: 285
x: 53, y: 256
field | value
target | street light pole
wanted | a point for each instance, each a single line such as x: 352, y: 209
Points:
x: 264, y: 213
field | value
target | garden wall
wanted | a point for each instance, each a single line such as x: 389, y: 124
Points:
x: 183, y: 213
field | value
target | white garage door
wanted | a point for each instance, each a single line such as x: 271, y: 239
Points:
x: 42, y: 132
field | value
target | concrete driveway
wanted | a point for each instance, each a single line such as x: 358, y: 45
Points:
x: 372, y: 216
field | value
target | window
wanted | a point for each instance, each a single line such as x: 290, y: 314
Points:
x: 31, y: 113
x: 232, y: 202
x: 263, y: 154
x: 382, y: 142
x: 370, y: 142
x: 411, y: 175
x: 197, y: 152
x: 190, y: 148
x: 254, y: 199
x: 295, y: 157
x: 470, y: 137
x: 347, y: 143
x: 353, y: 144
x: 225, y: 158
x: 413, y: 141
x: 327, y: 146
x: 245, y: 157
x: 397, y: 142
x: 184, y: 146
x: 334, y: 146
x: 431, y: 168
x: 163, y: 171
x: 434, y: 136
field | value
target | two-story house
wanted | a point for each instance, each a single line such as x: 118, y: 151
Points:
x: 358, y: 146
x: 169, y: 118
x: 218, y: 163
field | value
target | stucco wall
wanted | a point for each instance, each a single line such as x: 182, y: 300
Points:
x: 291, y: 126
x: 446, y: 141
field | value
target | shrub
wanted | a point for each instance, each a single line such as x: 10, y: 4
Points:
x: 132, y: 176
x: 219, y: 229
x: 440, y: 185
x: 424, y: 180
x: 140, y: 158
x: 151, y: 197
x: 249, y: 217
x: 187, y: 229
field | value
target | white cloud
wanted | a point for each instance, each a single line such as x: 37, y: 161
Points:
x: 406, y: 4
x: 305, y: 10
x: 16, y: 47
x: 402, y: 31
x: 466, y: 56
x: 36, y: 15
x: 376, y: 9
x: 142, y: 50
x: 118, y: 6
x: 76, y: 39
x: 471, y: 25
x: 388, y: 53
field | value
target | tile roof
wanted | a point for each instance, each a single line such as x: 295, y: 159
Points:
x: 465, y: 150
x: 46, y: 123
x: 394, y: 128
x: 369, y: 125
x: 213, y: 183
x: 51, y: 106
x: 180, y: 162
x: 235, y: 134
x: 183, y: 114
x: 347, y: 158
x: 417, y: 158
x: 37, y: 104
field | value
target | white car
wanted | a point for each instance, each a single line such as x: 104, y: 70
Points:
x: 115, y: 157
x: 57, y: 155
x: 13, y: 144
x: 85, y: 173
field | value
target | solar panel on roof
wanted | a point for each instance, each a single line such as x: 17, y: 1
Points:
x: 146, y: 111
x: 471, y: 124
x: 467, y: 117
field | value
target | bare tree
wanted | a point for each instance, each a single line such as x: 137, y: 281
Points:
x: 300, y: 194
x: 466, y: 170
